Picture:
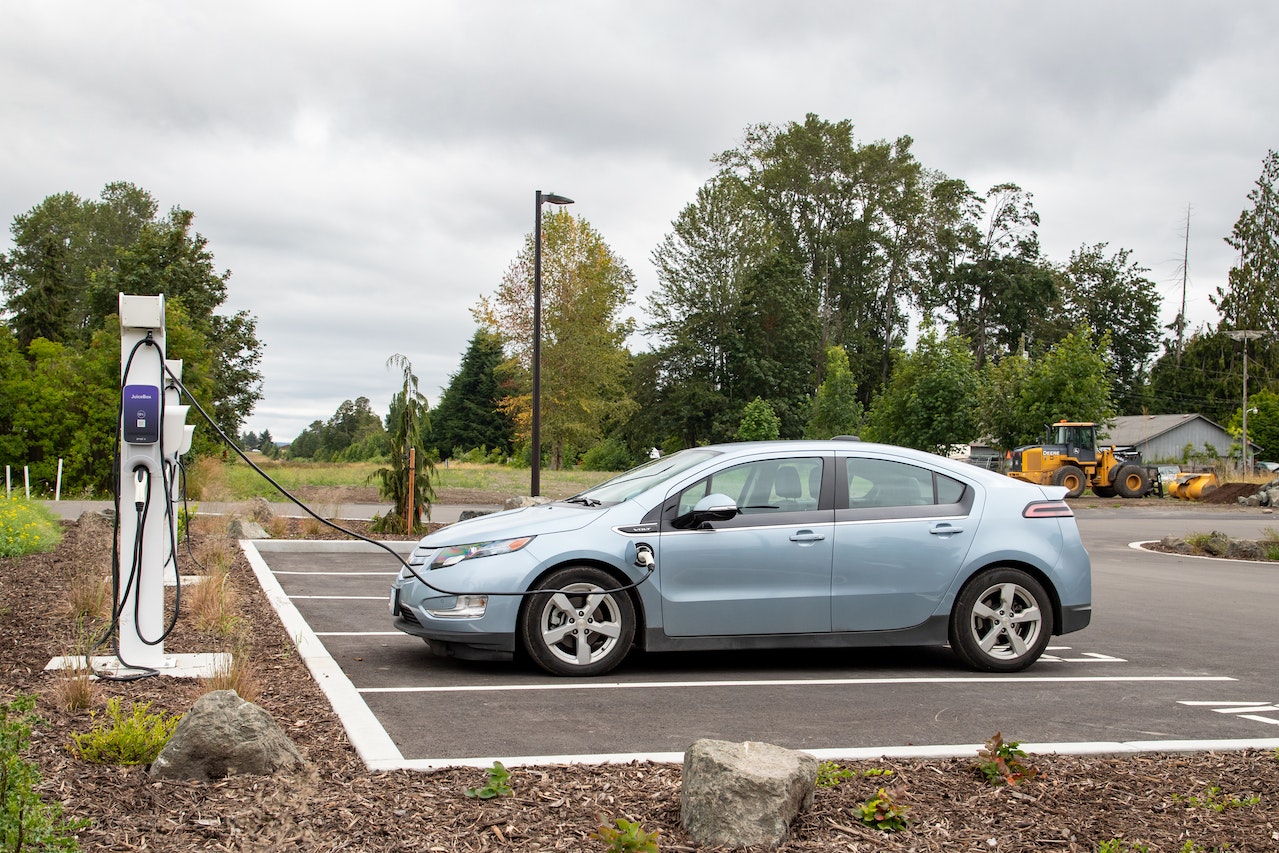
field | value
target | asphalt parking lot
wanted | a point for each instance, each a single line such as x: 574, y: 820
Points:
x: 1179, y: 656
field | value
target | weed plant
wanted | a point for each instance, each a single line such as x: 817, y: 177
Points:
x: 883, y: 812
x: 27, y: 527
x: 830, y: 774
x: 1215, y: 800
x: 626, y: 836
x: 26, y: 821
x: 1002, y: 762
x: 133, y: 739
x: 498, y: 784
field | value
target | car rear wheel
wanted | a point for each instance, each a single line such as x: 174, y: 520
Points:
x: 581, y: 629
x: 1002, y: 621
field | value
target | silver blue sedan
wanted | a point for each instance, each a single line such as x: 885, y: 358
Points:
x: 787, y: 544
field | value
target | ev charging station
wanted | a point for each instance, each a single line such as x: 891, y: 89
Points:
x: 153, y: 436
x: 145, y: 507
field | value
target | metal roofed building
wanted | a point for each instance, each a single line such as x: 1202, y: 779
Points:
x: 1160, y: 437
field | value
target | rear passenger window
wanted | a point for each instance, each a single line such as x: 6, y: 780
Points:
x: 948, y: 491
x: 879, y: 483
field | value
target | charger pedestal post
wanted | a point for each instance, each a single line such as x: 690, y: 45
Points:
x: 153, y: 436
x: 144, y: 540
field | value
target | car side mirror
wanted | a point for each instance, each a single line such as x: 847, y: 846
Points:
x: 716, y: 507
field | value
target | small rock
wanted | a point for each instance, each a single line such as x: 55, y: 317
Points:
x: 242, y: 529
x: 260, y: 510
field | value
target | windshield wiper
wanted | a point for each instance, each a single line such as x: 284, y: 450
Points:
x: 584, y: 501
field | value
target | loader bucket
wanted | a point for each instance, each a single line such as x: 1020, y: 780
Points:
x: 1193, y: 487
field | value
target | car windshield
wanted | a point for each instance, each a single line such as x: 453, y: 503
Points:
x: 628, y: 485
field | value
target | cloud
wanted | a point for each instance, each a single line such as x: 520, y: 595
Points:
x: 367, y: 171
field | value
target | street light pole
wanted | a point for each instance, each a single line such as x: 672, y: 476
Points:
x: 535, y: 483
x: 1245, y: 336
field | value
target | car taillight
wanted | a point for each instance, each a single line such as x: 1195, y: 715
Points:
x: 1047, y: 509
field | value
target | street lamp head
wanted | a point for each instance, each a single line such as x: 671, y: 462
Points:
x: 556, y: 199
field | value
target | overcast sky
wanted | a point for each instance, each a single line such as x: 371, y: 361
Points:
x: 366, y: 171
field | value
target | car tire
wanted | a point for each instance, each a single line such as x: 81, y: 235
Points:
x: 582, y: 629
x: 1072, y: 477
x: 1001, y: 621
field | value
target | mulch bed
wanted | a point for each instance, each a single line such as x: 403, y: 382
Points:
x: 1075, y: 804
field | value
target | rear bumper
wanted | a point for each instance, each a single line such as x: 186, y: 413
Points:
x: 1075, y: 618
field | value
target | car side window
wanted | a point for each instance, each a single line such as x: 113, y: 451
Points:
x: 762, y: 487
x: 884, y: 483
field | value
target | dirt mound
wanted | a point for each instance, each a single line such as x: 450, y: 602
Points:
x: 1228, y: 493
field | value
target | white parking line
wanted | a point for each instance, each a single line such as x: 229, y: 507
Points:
x: 796, y: 682
x: 1245, y: 710
x: 337, y: 597
x: 340, y: 574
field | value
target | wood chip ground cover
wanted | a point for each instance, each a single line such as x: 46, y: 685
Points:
x: 1075, y: 804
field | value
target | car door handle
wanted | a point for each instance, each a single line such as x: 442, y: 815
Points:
x: 945, y: 530
x: 806, y: 536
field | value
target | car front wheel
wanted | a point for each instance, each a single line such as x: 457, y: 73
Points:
x: 579, y: 628
x: 1002, y: 621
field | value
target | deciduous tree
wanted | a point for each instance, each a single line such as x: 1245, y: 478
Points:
x: 585, y: 288
x: 929, y: 401
x: 1111, y: 293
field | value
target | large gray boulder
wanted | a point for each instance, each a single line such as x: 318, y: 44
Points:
x: 744, y: 794
x: 223, y: 735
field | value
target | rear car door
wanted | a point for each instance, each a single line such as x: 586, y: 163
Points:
x: 902, y: 532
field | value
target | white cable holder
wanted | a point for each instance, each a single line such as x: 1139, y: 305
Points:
x: 144, y: 534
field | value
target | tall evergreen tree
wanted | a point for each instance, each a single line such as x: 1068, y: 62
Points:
x: 469, y: 413
x: 1250, y: 300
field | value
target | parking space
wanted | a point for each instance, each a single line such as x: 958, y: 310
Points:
x: 1113, y: 686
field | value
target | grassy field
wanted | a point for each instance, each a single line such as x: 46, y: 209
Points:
x: 236, y: 481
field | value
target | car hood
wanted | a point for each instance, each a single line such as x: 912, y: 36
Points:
x: 528, y: 521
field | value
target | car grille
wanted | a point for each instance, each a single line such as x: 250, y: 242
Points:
x: 407, y: 615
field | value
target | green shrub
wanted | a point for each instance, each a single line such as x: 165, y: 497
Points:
x: 135, y: 739
x: 609, y: 455
x: 27, y: 528
x: 26, y: 821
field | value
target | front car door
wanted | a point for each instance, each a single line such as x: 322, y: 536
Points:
x: 765, y: 571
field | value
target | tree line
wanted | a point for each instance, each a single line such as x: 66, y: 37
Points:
x: 60, y: 333
x: 847, y: 288
x: 815, y: 285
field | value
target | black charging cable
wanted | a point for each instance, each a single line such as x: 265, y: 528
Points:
x: 644, y: 552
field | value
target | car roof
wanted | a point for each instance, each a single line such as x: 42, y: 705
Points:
x: 922, y: 457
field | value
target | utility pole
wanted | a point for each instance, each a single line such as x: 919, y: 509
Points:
x: 1245, y: 336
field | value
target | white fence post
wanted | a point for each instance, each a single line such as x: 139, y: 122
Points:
x: 26, y: 478
x: 57, y: 489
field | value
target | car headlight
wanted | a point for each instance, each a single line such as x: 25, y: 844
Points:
x: 451, y: 555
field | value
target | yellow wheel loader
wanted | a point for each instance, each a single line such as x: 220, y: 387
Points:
x: 1070, y: 457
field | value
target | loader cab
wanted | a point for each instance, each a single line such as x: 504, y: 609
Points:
x: 1077, y: 440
